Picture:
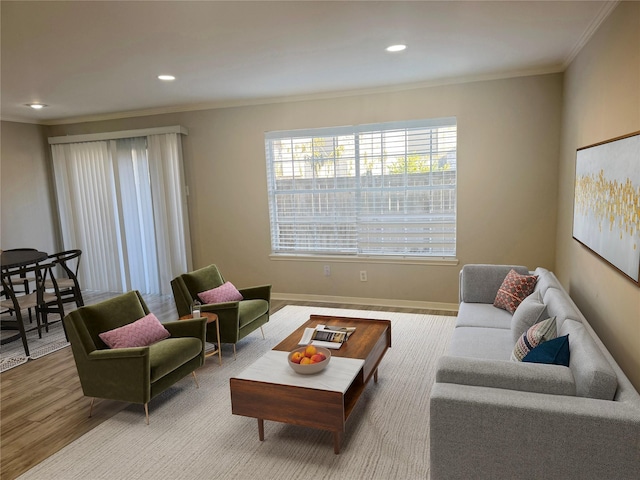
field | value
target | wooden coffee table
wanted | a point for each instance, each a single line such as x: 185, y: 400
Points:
x: 270, y: 390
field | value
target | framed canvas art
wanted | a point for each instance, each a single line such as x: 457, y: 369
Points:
x: 606, y: 208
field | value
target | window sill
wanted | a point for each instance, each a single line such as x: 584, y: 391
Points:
x: 451, y: 261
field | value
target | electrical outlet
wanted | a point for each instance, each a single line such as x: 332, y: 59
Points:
x: 327, y: 270
x: 363, y: 275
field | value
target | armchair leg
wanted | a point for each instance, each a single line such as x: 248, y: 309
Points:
x: 146, y: 412
x: 195, y: 378
x: 91, y: 406
x: 262, y: 331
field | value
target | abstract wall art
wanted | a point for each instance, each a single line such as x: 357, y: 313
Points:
x: 606, y: 209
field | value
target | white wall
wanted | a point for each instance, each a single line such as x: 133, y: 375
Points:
x: 27, y: 212
x: 601, y: 101
x: 508, y: 142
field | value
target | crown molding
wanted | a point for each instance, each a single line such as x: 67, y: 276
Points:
x: 602, y: 15
x: 304, y: 98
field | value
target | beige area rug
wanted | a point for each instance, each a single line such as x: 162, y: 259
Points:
x: 193, y: 434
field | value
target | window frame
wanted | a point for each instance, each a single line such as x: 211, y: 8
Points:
x: 356, y: 132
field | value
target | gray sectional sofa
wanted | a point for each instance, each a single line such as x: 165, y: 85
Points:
x: 494, y: 418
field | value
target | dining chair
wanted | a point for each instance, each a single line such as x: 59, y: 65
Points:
x: 40, y: 300
x: 18, y: 278
x: 68, y: 285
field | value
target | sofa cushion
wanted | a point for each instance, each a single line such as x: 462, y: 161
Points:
x: 227, y: 292
x: 546, y: 280
x: 479, y: 283
x: 592, y: 372
x: 553, y: 352
x: 514, y: 289
x: 531, y: 311
x: 166, y: 356
x: 559, y: 305
x: 141, y: 333
x: 482, y: 315
x: 477, y: 342
x: 534, y: 336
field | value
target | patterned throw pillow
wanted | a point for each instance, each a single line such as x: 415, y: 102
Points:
x: 226, y: 292
x: 514, y: 289
x: 141, y: 333
x: 539, y: 333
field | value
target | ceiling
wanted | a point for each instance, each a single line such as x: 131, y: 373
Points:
x: 94, y: 60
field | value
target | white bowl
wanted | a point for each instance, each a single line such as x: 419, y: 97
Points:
x: 311, y: 367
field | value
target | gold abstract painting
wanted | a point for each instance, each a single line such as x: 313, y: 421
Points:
x: 606, y: 211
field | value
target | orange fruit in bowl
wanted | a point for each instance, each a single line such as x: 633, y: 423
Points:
x: 310, y: 351
x: 296, y: 357
x: 305, y: 365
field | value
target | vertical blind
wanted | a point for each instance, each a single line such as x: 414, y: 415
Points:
x: 121, y: 201
x: 381, y: 189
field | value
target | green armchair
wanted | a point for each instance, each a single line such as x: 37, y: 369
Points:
x: 236, y: 319
x: 135, y: 374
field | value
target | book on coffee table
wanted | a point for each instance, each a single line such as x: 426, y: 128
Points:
x: 325, y: 336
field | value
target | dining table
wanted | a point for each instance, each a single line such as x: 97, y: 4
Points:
x: 21, y: 257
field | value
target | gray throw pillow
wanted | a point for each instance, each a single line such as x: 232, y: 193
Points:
x: 531, y: 311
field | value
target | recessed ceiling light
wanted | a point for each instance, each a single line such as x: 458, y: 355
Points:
x: 166, y: 78
x: 36, y: 106
x: 396, y: 48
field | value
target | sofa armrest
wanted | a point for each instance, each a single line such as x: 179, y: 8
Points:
x: 262, y: 292
x: 479, y: 283
x: 511, y: 434
x: 521, y: 376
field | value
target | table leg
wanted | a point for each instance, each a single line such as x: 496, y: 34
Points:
x: 219, y: 345
x: 261, y: 429
x: 337, y: 441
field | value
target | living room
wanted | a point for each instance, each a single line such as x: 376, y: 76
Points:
x: 517, y: 141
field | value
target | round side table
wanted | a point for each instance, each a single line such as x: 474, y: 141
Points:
x: 211, y: 318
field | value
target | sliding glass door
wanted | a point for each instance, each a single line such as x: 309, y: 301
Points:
x: 122, y: 203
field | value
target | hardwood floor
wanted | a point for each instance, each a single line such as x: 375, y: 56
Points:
x: 42, y: 406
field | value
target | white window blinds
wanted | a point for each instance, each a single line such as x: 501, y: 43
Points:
x: 383, y: 189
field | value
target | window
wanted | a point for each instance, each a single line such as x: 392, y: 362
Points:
x: 368, y: 190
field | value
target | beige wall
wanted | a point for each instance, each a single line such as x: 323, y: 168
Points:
x: 27, y: 216
x: 508, y: 143
x: 601, y: 101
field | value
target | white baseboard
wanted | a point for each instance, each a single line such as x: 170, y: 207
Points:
x: 380, y: 302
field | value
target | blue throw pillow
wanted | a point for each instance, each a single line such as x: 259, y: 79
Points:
x: 555, y: 351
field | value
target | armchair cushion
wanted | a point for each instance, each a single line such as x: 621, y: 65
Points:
x: 252, y: 309
x: 141, y: 333
x: 166, y: 356
x: 226, y: 292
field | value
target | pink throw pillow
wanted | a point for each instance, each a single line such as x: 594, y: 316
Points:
x: 224, y: 293
x: 141, y: 333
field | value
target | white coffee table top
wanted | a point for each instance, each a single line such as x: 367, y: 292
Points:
x: 272, y: 367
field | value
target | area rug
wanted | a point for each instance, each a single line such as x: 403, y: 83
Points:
x: 12, y: 353
x: 192, y: 433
